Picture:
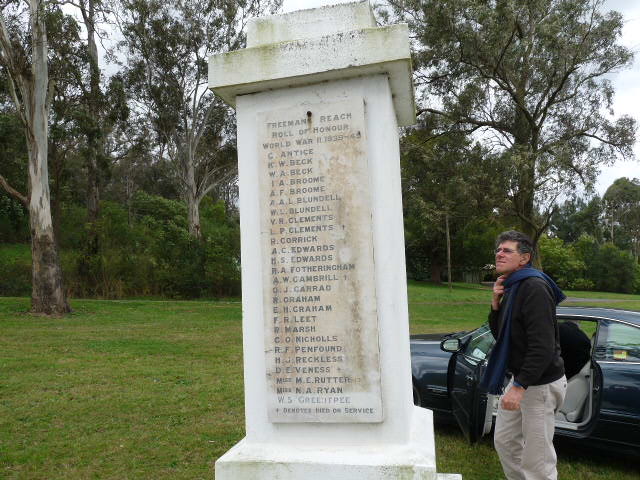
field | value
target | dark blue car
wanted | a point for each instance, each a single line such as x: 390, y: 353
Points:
x: 602, y: 405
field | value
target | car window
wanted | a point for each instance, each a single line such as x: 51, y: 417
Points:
x: 479, y: 343
x: 589, y: 327
x: 618, y: 342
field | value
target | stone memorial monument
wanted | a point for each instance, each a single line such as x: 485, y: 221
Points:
x: 319, y: 95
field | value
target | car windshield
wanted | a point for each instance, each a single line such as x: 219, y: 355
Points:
x: 478, y: 343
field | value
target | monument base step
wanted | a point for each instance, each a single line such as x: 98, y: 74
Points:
x: 412, y: 461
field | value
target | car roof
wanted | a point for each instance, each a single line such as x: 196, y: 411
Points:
x: 594, y: 312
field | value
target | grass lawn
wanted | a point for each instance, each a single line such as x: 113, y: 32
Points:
x: 153, y: 389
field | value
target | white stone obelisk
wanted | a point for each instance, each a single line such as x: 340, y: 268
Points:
x: 319, y: 96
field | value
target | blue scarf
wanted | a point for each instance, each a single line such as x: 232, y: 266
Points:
x: 493, y: 378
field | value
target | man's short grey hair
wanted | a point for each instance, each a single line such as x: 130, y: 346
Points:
x: 524, y: 242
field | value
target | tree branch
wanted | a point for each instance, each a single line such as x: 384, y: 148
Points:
x: 229, y: 175
x: 473, y: 121
x: 13, y: 192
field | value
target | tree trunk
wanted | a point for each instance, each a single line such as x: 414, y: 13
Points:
x: 193, y: 201
x: 612, y: 225
x: 56, y: 161
x: 526, y: 157
x: 436, y: 272
x: 194, y: 215
x: 525, y: 147
x: 93, y: 201
x: 48, y: 294
x: 446, y: 218
x: 93, y: 137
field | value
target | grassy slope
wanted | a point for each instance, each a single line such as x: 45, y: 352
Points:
x: 153, y: 389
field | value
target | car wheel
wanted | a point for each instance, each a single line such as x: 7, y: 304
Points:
x: 416, y: 396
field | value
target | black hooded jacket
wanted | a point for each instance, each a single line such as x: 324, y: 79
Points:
x: 534, y: 356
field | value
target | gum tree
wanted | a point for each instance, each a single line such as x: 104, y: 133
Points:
x: 24, y: 56
x: 448, y: 184
x: 167, y: 46
x: 622, y: 207
x: 530, y: 78
x: 91, y: 111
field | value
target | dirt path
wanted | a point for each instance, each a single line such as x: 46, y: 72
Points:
x: 598, y: 300
x: 568, y: 299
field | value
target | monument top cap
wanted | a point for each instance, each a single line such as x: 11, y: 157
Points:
x: 314, y: 22
x: 311, y: 46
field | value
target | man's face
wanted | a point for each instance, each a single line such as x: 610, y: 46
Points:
x: 508, y: 259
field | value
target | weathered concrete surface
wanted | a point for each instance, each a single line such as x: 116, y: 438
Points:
x: 297, y: 79
x: 411, y: 461
x: 315, y: 22
x: 331, y: 55
x: 321, y: 318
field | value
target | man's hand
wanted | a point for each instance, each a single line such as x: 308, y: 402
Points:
x: 498, y: 292
x: 511, y: 400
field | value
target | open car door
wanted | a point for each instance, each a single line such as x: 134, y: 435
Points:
x: 472, y: 409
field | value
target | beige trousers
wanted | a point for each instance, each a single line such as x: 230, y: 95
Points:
x: 524, y: 438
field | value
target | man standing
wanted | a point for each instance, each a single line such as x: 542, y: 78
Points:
x: 523, y: 320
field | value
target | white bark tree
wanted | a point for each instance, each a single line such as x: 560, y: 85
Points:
x: 26, y: 62
x: 532, y: 77
x: 93, y: 131
x: 167, y: 47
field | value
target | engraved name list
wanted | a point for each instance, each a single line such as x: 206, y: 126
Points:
x: 321, y: 326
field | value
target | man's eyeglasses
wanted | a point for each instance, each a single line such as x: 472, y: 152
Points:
x: 506, y: 251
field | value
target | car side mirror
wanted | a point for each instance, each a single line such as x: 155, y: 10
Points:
x: 451, y: 345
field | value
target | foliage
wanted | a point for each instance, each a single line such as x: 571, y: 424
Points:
x: 563, y: 264
x: 532, y: 76
x: 167, y: 46
x: 445, y: 179
x: 613, y: 270
x: 147, y: 251
x: 14, y: 218
x: 622, y: 206
x: 576, y: 217
x: 586, y: 265
x: 15, y: 265
x: 478, y: 241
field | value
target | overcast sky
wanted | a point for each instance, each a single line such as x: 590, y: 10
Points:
x: 627, y: 82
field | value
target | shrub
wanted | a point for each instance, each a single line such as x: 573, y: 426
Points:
x: 144, y: 250
x: 636, y: 278
x: 582, y: 284
x: 561, y: 262
x: 14, y: 220
x: 613, y: 270
x: 15, y: 265
x: 148, y: 250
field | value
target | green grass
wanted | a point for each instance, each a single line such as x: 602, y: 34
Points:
x: 461, y: 292
x: 119, y: 389
x: 153, y: 389
x: 480, y: 461
x: 603, y: 295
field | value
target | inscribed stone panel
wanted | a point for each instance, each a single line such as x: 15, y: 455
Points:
x: 321, y: 339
